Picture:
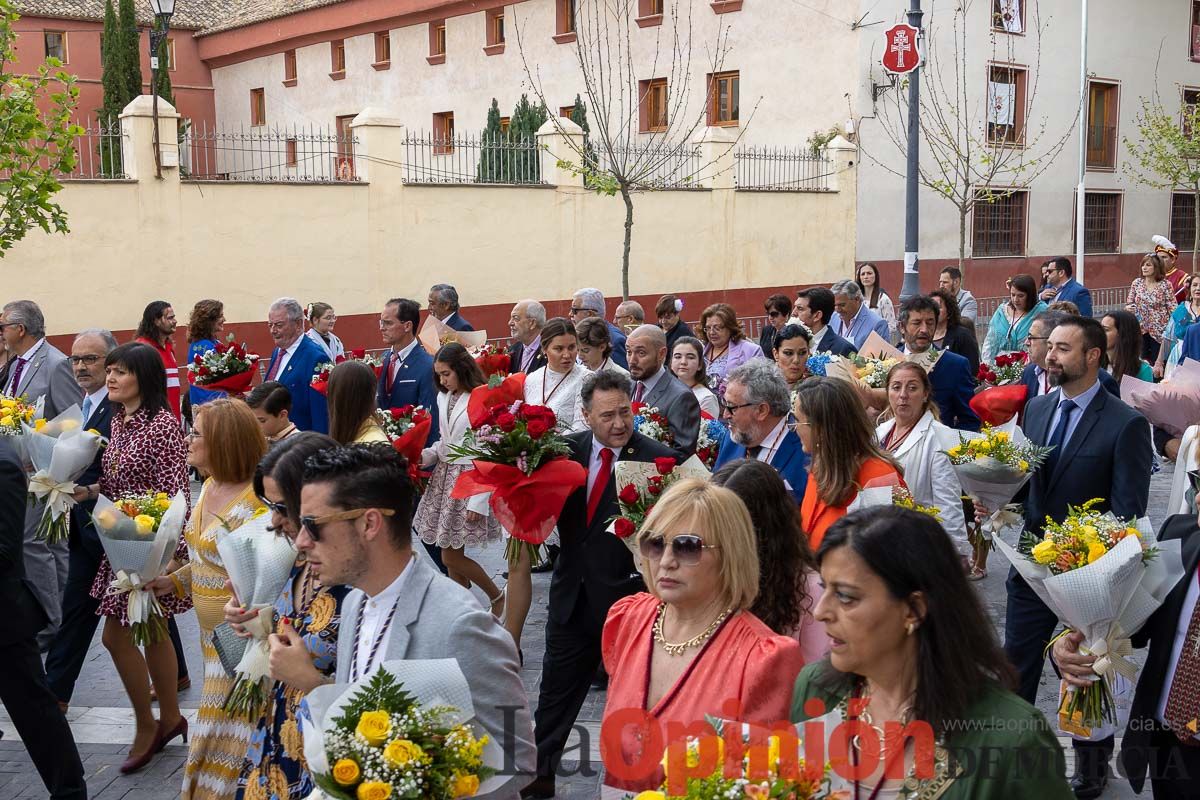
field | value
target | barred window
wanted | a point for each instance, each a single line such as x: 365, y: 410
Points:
x: 998, y: 224
x: 1101, y: 222
x: 1183, y: 221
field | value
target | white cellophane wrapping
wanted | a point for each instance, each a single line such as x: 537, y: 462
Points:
x: 988, y: 482
x: 639, y: 473
x: 58, y: 454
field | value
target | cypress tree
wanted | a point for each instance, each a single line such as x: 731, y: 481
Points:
x: 112, y: 55
x: 526, y: 119
x: 130, y: 38
x: 493, y: 157
x: 163, y: 87
x: 590, y: 162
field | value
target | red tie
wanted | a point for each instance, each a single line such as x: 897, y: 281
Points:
x: 641, y: 390
x: 275, y: 366
x: 18, y: 371
x: 606, y: 457
x: 1183, y: 698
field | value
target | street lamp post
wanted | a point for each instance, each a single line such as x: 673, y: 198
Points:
x: 912, y: 219
x: 163, y: 9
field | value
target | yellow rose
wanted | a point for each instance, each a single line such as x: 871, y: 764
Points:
x: 161, y: 496
x: 1000, y: 436
x: 650, y: 796
x: 466, y: 786
x: 145, y: 524
x: 1132, y: 532
x: 39, y: 424
x: 373, y: 790
x: 1045, y: 552
x: 162, y: 503
x: 6, y: 420
x: 374, y: 726
x: 955, y: 451
x: 1095, y: 550
x: 106, y: 519
x: 401, y: 751
x: 69, y: 425
x: 1023, y: 465
x: 346, y: 772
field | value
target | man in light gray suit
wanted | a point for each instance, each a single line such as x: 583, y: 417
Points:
x: 39, y: 370
x: 657, y: 387
x: 356, y: 512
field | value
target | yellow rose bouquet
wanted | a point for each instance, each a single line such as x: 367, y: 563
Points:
x: 1101, y: 576
x: 15, y: 413
x: 59, y: 450
x: 403, y: 732
x: 139, y: 534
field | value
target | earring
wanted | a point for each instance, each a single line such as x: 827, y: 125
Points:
x: 910, y: 627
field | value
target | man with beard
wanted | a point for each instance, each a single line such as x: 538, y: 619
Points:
x: 757, y: 406
x: 646, y: 351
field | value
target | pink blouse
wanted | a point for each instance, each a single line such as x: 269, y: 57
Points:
x: 744, y: 665
x: 1153, y: 306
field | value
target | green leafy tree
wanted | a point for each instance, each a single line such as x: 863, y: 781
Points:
x: 494, y: 166
x: 1166, y: 154
x: 130, y: 38
x: 37, y: 144
x: 579, y: 117
x: 526, y: 119
x: 112, y: 58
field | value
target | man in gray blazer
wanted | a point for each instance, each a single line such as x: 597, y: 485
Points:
x: 356, y: 512
x: 38, y: 370
x: 657, y: 387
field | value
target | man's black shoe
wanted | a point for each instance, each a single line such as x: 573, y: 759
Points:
x: 545, y: 566
x: 540, y: 788
x: 1088, y: 788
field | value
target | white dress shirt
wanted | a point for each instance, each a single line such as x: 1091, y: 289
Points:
x: 770, y: 443
x: 10, y: 389
x: 375, y: 612
x: 595, y: 463
x: 1082, y: 401
x: 1185, y: 617
x: 286, y: 356
x: 529, y: 352
x: 93, y: 401
x: 399, y: 357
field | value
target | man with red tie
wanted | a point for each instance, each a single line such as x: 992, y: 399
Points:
x: 293, y: 362
x: 594, y: 568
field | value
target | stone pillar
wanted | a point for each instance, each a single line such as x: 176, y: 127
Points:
x: 717, y: 166
x: 842, y: 155
x: 379, y: 149
x: 560, y: 140
x: 137, y: 138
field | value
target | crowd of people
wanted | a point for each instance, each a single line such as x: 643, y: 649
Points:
x: 764, y: 594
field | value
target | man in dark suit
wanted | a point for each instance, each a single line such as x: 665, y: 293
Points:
x: 1101, y: 449
x: 525, y: 324
x: 406, y: 377
x: 443, y: 305
x: 1161, y: 736
x: 814, y: 308
x: 23, y: 688
x: 593, y: 571
x: 757, y: 402
x: 293, y: 362
x: 1064, y: 287
x: 1035, y: 377
x: 654, y: 385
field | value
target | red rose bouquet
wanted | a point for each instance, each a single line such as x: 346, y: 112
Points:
x: 408, y: 428
x: 320, y: 378
x: 229, y: 367
x: 639, y: 485
x: 1006, y: 369
x: 494, y: 363
x: 650, y: 422
x: 521, y: 459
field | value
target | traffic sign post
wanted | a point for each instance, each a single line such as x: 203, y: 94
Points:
x: 902, y: 56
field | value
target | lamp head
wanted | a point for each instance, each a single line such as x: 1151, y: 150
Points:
x: 163, y: 8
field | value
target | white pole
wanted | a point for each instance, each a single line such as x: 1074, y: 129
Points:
x: 1083, y: 122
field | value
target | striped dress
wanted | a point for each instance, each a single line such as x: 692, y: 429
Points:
x: 219, y: 741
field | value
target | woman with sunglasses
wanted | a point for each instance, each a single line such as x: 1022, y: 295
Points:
x: 309, y: 615
x: 778, y: 308
x: 690, y: 647
x: 226, y: 444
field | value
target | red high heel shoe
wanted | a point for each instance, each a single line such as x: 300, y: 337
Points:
x: 135, y: 763
x: 181, y: 729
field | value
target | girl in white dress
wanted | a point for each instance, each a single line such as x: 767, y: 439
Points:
x: 322, y: 319
x: 687, y: 362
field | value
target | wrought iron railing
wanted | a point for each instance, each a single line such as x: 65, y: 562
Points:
x: 431, y: 158
x: 781, y: 169
x: 273, y: 155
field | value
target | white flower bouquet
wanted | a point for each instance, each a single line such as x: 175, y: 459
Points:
x: 60, y: 450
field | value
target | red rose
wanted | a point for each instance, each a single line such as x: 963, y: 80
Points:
x: 1002, y: 360
x: 506, y: 422
x: 420, y: 415
x: 629, y: 495
x: 537, y: 428
x: 637, y: 408
x: 359, y: 353
x: 623, y: 528
x: 655, y: 489
x: 203, y: 371
x: 664, y: 465
x: 405, y: 410
x: 197, y: 360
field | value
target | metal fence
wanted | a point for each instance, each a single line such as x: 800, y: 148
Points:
x: 655, y: 166
x: 98, y: 151
x: 276, y: 155
x: 781, y: 169
x: 431, y: 158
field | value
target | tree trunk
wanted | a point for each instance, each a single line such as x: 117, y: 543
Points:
x: 962, y: 236
x: 628, y: 198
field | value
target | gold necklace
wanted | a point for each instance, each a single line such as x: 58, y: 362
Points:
x: 904, y: 713
x: 674, y: 649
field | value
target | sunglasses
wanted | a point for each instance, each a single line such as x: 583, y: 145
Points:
x: 314, y: 524
x: 278, y: 508
x: 687, y: 547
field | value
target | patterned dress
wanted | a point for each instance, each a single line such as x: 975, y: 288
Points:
x: 1152, y: 306
x: 274, y: 768
x: 144, y: 454
x: 219, y: 741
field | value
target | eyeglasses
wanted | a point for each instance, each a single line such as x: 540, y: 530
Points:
x: 714, y: 328
x: 1036, y: 339
x: 734, y: 408
x: 274, y: 326
x: 89, y: 360
x: 575, y: 310
x: 194, y: 434
x: 687, y: 547
x: 314, y: 524
x: 277, y: 508
x: 774, y: 314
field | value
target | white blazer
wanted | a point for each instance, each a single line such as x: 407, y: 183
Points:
x: 452, y: 427
x: 929, y: 474
x: 334, y: 349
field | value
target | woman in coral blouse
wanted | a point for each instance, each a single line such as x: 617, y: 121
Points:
x: 835, y: 431
x: 690, y: 648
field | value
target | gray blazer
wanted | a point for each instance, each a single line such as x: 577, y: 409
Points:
x: 437, y: 618
x: 681, y: 408
x: 49, y: 375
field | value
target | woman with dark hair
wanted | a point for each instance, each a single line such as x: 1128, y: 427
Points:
x: 726, y: 346
x: 912, y: 646
x: 668, y: 310
x: 1124, y: 334
x: 271, y: 403
x: 687, y: 364
x: 789, y: 586
x: 205, y: 327
x: 595, y: 346
x: 790, y: 349
x: 322, y: 319
x: 778, y: 308
x: 312, y: 610
x: 450, y: 523
x: 877, y: 299
x: 835, y: 432
x: 352, y: 397
x: 1010, y: 324
x: 145, y: 453
x: 951, y: 334
x: 1152, y: 299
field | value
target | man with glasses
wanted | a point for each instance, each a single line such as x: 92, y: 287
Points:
x: 356, y: 504
x: 1063, y: 287
x: 594, y: 568
x: 1034, y: 376
x: 629, y: 315
x: 590, y: 303
x: 293, y: 362
x: 757, y: 407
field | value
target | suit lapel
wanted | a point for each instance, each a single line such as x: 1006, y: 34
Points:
x: 31, y: 369
x: 1088, y: 421
x: 408, y: 606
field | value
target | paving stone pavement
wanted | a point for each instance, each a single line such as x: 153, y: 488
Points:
x: 103, y: 725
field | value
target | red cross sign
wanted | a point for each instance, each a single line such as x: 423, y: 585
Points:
x: 900, y: 53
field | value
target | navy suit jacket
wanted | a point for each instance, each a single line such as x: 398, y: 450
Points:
x: 414, y: 385
x: 457, y: 322
x: 832, y: 343
x: 1078, y: 294
x: 953, y: 388
x: 790, y: 461
x: 618, y: 345
x: 309, y: 412
x: 81, y: 513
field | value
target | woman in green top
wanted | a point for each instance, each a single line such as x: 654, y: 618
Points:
x: 912, y: 646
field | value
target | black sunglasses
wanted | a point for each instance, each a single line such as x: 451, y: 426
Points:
x: 278, y: 508
x: 314, y: 524
x: 687, y: 547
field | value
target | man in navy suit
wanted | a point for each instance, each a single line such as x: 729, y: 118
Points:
x: 814, y: 308
x: 443, y: 305
x: 1063, y: 287
x: 293, y: 363
x: 1102, y: 449
x: 1034, y: 376
x: 406, y: 378
x: 757, y: 402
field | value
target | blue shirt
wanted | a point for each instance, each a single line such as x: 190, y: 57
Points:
x: 1082, y: 400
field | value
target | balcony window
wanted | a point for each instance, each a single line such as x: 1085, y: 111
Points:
x: 653, y: 105
x: 1006, y: 105
x: 1102, y: 126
